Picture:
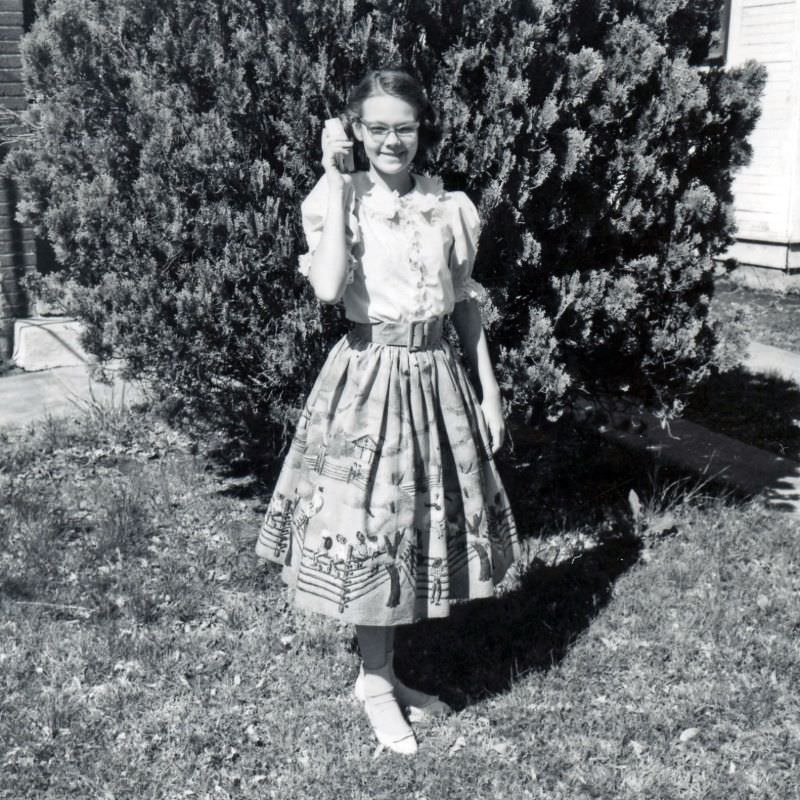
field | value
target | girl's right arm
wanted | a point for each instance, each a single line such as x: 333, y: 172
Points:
x: 328, y: 272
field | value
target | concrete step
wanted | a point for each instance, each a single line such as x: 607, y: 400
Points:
x: 719, y: 459
x: 713, y: 457
x: 48, y: 342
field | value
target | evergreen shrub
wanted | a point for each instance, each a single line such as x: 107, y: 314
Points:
x: 169, y: 146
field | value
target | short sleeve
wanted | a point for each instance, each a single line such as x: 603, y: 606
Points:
x: 466, y: 232
x: 312, y: 214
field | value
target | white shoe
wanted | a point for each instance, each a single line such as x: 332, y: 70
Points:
x: 388, y: 723
x: 419, y: 706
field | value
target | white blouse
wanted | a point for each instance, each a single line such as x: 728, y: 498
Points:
x: 410, y: 256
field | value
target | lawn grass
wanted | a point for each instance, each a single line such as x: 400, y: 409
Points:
x: 759, y: 409
x: 772, y: 317
x: 147, y: 653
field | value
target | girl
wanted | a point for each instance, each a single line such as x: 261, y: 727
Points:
x: 388, y: 507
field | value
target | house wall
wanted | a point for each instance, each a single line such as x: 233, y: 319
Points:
x: 17, y: 245
x: 767, y: 191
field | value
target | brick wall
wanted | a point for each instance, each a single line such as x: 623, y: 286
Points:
x: 17, y: 244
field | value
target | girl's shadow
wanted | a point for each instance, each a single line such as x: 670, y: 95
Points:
x: 571, y: 479
x: 485, y: 645
x: 559, y: 478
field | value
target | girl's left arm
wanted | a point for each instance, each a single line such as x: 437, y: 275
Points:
x: 466, y: 317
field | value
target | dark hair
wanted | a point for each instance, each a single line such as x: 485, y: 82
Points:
x: 397, y: 83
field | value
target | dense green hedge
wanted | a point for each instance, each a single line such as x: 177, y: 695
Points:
x: 171, y: 143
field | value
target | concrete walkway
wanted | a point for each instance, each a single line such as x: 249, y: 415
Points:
x: 771, y: 360
x: 712, y: 457
x: 62, y: 391
x: 709, y: 455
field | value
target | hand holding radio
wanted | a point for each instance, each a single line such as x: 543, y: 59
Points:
x: 337, y: 151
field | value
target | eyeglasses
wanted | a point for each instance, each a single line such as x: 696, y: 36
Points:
x: 377, y: 131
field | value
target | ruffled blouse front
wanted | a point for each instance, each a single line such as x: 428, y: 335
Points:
x: 410, y: 257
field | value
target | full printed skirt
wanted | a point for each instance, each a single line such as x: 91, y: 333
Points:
x: 389, y: 506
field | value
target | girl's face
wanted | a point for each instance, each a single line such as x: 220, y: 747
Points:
x: 388, y: 129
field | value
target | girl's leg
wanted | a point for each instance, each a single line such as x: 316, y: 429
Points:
x: 373, y: 641
x: 384, y: 713
x: 419, y: 703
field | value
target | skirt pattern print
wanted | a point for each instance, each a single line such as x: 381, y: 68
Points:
x: 388, y: 506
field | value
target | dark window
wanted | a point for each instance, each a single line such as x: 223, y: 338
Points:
x: 718, y: 47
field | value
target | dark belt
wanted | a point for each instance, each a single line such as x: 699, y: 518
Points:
x: 413, y: 335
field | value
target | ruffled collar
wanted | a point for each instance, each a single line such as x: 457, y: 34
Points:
x: 423, y: 198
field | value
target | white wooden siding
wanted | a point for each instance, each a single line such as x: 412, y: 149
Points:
x: 767, y: 191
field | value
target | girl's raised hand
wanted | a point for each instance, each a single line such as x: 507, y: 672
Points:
x: 331, y: 148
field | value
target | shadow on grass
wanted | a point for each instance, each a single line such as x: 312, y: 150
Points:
x: 561, y: 479
x: 565, y: 478
x: 760, y: 410
x: 485, y: 645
